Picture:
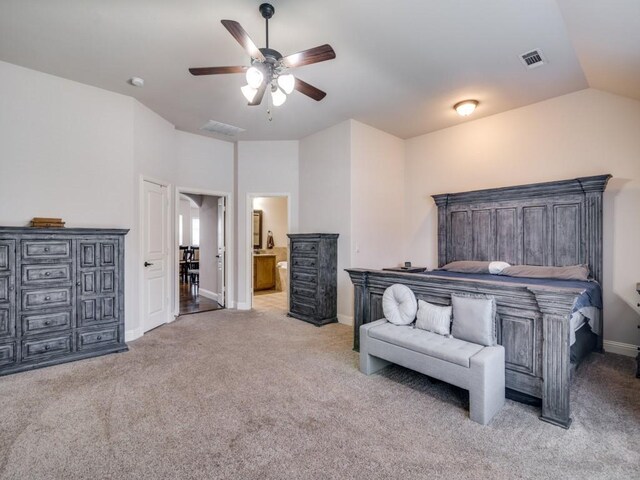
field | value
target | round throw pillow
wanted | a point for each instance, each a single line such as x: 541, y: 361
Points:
x: 399, y: 304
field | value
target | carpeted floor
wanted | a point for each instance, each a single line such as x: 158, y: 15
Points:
x: 240, y: 395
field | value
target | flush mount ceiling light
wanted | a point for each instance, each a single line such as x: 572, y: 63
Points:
x: 269, y: 69
x: 466, y: 107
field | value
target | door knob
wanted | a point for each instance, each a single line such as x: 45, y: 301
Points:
x: 147, y: 264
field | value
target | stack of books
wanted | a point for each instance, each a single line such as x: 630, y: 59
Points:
x: 40, y: 222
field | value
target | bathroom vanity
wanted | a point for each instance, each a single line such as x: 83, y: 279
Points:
x: 264, y: 271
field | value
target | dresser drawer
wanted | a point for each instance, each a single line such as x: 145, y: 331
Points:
x: 39, y: 274
x: 305, y: 248
x: 46, y: 347
x: 47, y: 322
x: 97, y: 338
x: 8, y: 354
x: 50, y: 298
x: 299, y: 306
x: 307, y: 277
x: 299, y: 290
x: 306, y: 262
x: 36, y: 250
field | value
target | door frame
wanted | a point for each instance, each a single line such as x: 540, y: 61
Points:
x: 163, y: 183
x: 228, y: 234
x: 248, y: 245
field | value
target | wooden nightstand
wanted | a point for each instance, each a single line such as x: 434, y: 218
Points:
x: 405, y: 269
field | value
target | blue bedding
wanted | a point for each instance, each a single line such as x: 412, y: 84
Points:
x: 591, y: 297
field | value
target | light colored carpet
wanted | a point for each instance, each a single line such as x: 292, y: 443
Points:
x: 242, y: 395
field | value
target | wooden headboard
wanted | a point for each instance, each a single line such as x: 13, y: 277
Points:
x: 554, y: 223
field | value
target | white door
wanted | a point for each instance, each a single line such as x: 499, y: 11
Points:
x: 222, y: 250
x: 155, y: 256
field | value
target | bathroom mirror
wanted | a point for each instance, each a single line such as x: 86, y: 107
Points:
x: 257, y: 229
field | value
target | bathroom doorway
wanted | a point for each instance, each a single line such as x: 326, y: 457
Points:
x: 269, y: 253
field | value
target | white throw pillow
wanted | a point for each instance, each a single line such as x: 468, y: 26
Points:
x: 496, y: 268
x: 434, y: 318
x: 399, y: 304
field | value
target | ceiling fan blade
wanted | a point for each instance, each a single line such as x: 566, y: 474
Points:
x: 243, y: 39
x: 217, y: 70
x: 309, y: 90
x: 257, y: 100
x: 307, y: 57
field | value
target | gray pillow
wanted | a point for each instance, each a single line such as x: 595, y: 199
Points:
x: 474, y: 319
x: 571, y: 272
x: 467, y: 266
x: 433, y: 318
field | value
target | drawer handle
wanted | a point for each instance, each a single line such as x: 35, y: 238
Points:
x: 47, y: 347
x: 48, y: 322
x: 295, y: 263
x: 46, y: 249
x: 99, y: 337
x: 78, y: 283
x: 47, y: 274
x: 47, y: 298
x: 313, y: 248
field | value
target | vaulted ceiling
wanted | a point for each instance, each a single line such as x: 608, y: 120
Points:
x: 400, y: 65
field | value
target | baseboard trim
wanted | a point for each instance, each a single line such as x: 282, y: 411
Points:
x: 626, y: 349
x: 208, y: 294
x: 345, y: 320
x: 133, y: 334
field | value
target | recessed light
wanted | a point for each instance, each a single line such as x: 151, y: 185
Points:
x: 466, y: 107
x: 136, y: 81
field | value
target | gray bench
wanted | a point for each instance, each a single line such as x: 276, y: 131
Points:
x: 476, y: 368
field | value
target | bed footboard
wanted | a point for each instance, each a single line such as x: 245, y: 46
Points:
x: 533, y: 327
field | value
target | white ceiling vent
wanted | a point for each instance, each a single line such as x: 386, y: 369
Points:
x: 533, y: 59
x: 221, y: 128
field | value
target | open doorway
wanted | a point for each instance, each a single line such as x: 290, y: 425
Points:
x: 201, y: 252
x: 269, y: 257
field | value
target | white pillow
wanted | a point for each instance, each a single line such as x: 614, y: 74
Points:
x: 496, y: 268
x: 399, y: 304
x: 434, y: 318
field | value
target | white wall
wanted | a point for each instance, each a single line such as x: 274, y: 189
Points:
x: 262, y: 168
x: 66, y: 150
x: 274, y: 218
x: 208, y: 245
x: 325, y: 198
x: 185, y: 211
x: 588, y: 132
x: 74, y: 151
x: 377, y: 198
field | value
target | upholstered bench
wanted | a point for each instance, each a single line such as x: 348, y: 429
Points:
x: 476, y: 368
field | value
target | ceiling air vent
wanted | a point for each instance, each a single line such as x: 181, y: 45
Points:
x: 533, y: 59
x: 221, y: 128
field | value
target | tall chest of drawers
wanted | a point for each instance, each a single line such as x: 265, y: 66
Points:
x: 61, y: 295
x: 313, y: 282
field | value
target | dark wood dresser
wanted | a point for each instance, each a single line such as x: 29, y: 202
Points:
x: 61, y: 295
x: 313, y: 278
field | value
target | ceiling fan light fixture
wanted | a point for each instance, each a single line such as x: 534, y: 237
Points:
x: 278, y: 97
x: 287, y: 82
x: 249, y: 92
x: 254, y: 77
x: 466, y: 107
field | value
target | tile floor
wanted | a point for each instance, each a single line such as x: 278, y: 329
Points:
x: 271, y: 302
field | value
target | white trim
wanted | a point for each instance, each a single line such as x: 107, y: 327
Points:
x: 243, y: 306
x: 248, y: 246
x: 133, y: 334
x: 620, y: 348
x: 163, y: 183
x: 208, y: 294
x: 345, y: 320
x: 229, y: 243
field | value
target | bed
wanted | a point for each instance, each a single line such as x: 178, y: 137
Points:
x: 540, y: 323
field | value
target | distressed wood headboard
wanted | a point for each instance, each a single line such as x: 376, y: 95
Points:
x: 554, y: 223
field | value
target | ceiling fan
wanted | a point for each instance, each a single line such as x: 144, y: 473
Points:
x: 269, y: 69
